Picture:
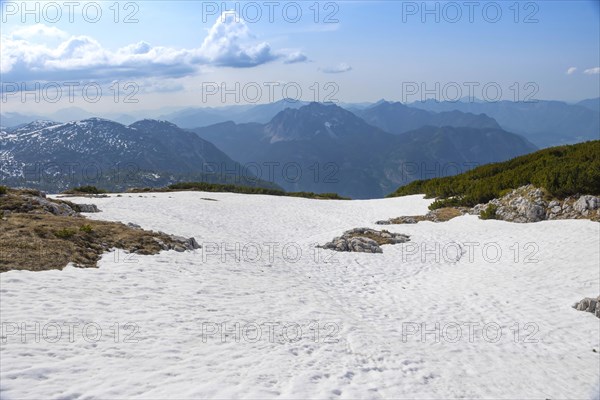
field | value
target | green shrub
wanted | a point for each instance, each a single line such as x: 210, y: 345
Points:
x: 441, y: 203
x: 86, y: 189
x: 489, y: 212
x: 65, y: 233
x: 312, y: 195
x: 217, y: 187
x: 3, y: 190
x: 87, y: 228
x: 563, y: 171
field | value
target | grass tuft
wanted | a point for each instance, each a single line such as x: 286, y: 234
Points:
x: 65, y: 233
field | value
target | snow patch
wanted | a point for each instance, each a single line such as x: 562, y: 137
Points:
x: 360, y: 303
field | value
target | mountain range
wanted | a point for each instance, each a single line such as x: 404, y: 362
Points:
x: 56, y: 156
x: 398, y: 118
x: 311, y: 147
x: 203, y: 116
x: 545, y: 123
x: 337, y: 151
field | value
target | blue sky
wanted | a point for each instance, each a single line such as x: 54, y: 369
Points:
x: 178, y: 50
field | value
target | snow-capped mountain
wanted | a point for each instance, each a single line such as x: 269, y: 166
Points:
x: 54, y: 156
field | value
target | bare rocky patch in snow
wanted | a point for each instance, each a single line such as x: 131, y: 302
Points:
x: 531, y: 204
x: 589, y: 304
x: 438, y: 215
x: 522, y: 205
x: 365, y: 240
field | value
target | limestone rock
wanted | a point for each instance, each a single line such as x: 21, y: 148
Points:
x: 589, y: 304
x: 586, y: 203
x: 88, y: 208
x: 529, y: 204
x: 56, y: 208
x: 364, y: 240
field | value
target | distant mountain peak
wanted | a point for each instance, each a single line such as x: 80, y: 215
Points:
x: 35, y: 126
x: 380, y: 101
x: 40, y: 124
x: 315, y: 104
x: 314, y: 110
x: 96, y: 119
x: 315, y: 120
x: 153, y: 123
x: 287, y: 100
x: 398, y: 118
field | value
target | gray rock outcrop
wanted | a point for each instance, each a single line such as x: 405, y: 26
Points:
x: 364, y: 240
x: 589, y: 304
x: 585, y: 204
x: 179, y: 243
x: 56, y: 208
x: 531, y: 204
x: 88, y: 208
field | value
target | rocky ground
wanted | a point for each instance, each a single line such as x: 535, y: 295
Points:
x: 525, y: 204
x: 438, y: 215
x: 38, y: 233
x: 590, y: 305
x: 364, y: 240
x: 31, y: 201
x: 531, y: 204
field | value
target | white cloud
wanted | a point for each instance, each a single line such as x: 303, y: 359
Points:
x: 229, y: 43
x: 295, y: 57
x: 222, y: 45
x: 38, y: 30
x: 136, y: 48
x: 592, y: 71
x: 338, y: 69
x: 571, y: 70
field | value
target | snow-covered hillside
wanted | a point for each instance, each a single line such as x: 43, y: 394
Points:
x: 466, y: 309
x: 55, y: 156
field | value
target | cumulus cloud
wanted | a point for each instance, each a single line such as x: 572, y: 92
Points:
x: 338, y: 69
x: 229, y: 43
x: 571, y: 70
x: 592, y: 71
x: 84, y: 58
x: 295, y: 57
x: 136, y: 48
x: 223, y: 45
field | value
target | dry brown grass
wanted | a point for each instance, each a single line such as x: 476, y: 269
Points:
x: 31, y: 238
x: 447, y: 213
x: 401, y: 220
x: 439, y: 215
x: 34, y: 242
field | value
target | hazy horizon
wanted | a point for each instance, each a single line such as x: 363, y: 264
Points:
x: 210, y: 54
